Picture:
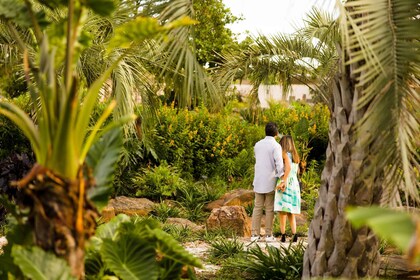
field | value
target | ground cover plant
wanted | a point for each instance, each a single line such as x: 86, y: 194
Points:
x: 266, y: 263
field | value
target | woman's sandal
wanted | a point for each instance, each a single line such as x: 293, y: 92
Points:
x: 283, y: 237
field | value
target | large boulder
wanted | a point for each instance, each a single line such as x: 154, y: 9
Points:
x: 232, y: 218
x: 239, y: 197
x: 127, y: 205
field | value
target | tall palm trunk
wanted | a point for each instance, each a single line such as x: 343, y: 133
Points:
x: 335, y: 249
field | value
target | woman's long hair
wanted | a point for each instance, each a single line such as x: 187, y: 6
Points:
x: 288, y: 145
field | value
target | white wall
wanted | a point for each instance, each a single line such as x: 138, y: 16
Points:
x: 268, y: 93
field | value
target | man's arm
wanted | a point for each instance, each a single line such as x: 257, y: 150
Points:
x: 278, y: 160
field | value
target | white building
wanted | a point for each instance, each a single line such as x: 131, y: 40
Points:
x: 267, y: 93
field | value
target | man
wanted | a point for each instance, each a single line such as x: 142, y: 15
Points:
x: 268, y: 167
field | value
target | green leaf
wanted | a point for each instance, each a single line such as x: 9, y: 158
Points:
x: 171, y: 249
x: 102, y: 158
x: 130, y: 257
x: 101, y: 7
x: 142, y: 28
x: 37, y: 264
x: 19, y: 117
x: 15, y: 10
x: 394, y: 226
x: 108, y: 230
x: 53, y: 4
x: 135, y: 31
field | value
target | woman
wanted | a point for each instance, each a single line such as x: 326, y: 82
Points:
x: 287, y: 196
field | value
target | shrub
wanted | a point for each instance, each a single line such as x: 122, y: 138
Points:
x: 310, y: 183
x: 275, y: 263
x: 163, y: 211
x: 192, y: 199
x: 196, y: 141
x: 179, y: 233
x: 159, y: 182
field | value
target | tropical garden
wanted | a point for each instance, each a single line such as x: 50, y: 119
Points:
x: 104, y: 98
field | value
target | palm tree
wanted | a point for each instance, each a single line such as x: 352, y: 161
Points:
x: 370, y: 85
x: 371, y: 153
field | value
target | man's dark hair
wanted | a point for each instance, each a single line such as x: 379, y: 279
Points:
x: 271, y: 129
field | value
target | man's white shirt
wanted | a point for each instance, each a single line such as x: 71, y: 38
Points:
x: 268, y: 164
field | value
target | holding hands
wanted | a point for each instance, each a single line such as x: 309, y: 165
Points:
x: 281, y: 186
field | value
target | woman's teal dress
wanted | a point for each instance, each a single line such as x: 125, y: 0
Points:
x: 289, y: 200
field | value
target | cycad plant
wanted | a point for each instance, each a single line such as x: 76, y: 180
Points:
x: 59, y: 189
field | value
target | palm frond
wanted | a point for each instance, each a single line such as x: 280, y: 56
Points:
x: 277, y: 59
x: 190, y: 81
x: 386, y: 46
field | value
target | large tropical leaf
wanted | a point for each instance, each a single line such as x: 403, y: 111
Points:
x: 37, y: 264
x: 130, y: 257
x: 102, y: 158
x: 395, y: 226
x: 169, y: 248
x: 109, y: 230
x: 17, y: 234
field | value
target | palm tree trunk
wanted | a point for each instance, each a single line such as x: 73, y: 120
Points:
x: 335, y: 249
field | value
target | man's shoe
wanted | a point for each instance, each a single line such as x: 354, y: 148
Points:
x: 254, y: 238
x: 270, y: 238
x: 283, y: 237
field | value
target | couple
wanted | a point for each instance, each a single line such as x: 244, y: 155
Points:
x: 275, y: 183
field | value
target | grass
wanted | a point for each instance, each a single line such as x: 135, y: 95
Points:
x: 222, y: 248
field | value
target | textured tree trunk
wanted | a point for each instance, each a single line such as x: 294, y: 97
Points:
x: 60, y: 214
x: 335, y: 249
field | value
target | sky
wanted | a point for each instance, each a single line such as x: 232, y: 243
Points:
x: 271, y: 16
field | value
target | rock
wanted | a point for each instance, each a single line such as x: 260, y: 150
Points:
x: 184, y: 223
x: 302, y: 219
x: 129, y: 206
x: 239, y: 197
x: 108, y: 212
x: 232, y: 218
x: 397, y: 267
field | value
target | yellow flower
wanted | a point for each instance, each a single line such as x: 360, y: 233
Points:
x: 228, y: 138
x: 264, y: 119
